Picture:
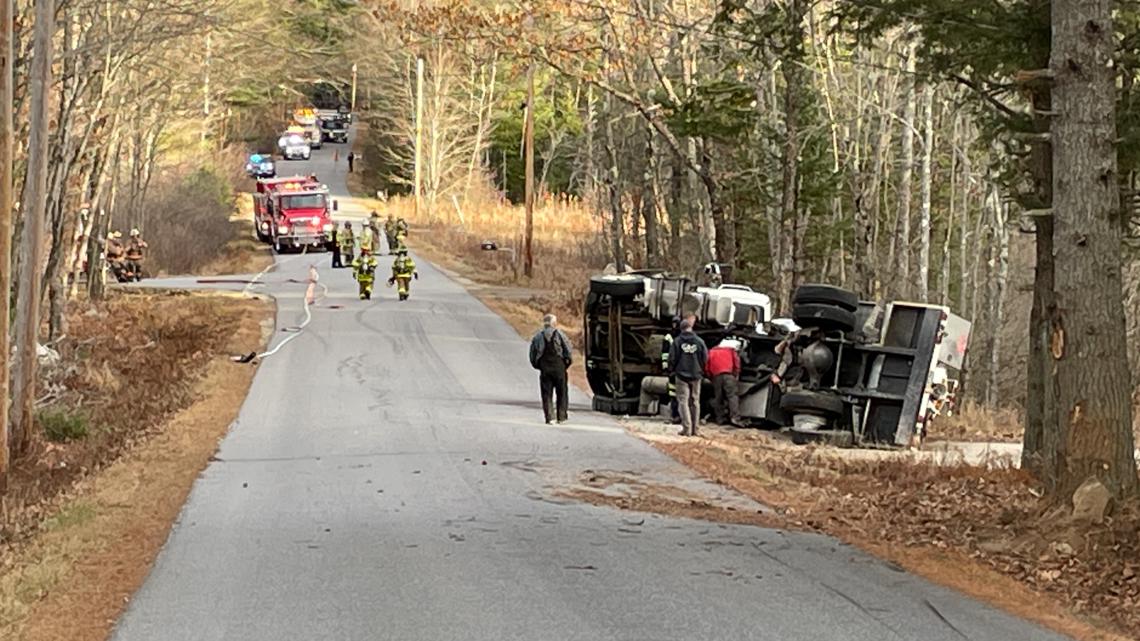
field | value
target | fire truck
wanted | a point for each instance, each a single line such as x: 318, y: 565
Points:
x: 293, y: 213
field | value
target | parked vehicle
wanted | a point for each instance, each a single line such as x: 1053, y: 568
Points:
x: 259, y: 166
x: 859, y: 372
x: 294, y: 213
x: 294, y: 146
x: 334, y: 129
x: 264, y: 214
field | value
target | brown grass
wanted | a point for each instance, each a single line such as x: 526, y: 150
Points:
x: 71, y: 580
x: 983, y: 532
x: 976, y: 422
x: 127, y: 365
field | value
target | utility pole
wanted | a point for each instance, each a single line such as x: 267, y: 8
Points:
x: 528, y: 254
x: 5, y: 231
x: 34, y: 209
x: 419, y: 130
x: 352, y: 103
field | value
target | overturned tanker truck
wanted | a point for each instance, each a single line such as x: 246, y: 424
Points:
x: 855, y: 372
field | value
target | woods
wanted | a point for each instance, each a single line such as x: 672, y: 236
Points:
x: 110, y: 105
x: 901, y: 148
x: 970, y: 153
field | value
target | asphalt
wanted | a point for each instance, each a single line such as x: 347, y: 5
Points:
x: 390, y: 477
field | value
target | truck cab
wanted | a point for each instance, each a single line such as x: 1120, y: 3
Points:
x: 263, y: 214
x: 301, y: 214
x: 334, y: 128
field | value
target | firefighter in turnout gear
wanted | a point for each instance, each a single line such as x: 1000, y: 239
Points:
x: 403, y: 271
x: 390, y: 233
x: 364, y: 271
x: 375, y: 228
x: 136, y: 248
x: 347, y: 241
x: 367, y: 240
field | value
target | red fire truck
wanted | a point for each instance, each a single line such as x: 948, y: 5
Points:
x: 293, y: 213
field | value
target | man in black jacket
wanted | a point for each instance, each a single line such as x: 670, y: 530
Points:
x: 687, y: 360
x: 550, y: 354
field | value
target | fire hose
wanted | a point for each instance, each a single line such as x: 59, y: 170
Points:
x: 296, y: 330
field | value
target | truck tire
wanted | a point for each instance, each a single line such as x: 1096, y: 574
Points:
x: 617, y: 285
x: 825, y: 317
x: 814, y: 294
x: 809, y: 402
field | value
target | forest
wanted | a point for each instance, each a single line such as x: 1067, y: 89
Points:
x: 971, y: 153
x: 905, y: 149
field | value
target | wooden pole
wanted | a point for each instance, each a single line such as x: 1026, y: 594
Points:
x: 352, y: 104
x: 5, y: 229
x: 419, y: 131
x: 32, y: 242
x: 528, y: 255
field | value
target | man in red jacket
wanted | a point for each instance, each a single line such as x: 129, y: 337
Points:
x: 724, y: 370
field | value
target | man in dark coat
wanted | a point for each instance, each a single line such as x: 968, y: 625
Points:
x: 687, y: 361
x: 551, y: 355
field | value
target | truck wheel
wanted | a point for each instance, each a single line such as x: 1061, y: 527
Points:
x: 825, y: 295
x: 618, y: 285
x: 825, y: 317
x: 809, y: 402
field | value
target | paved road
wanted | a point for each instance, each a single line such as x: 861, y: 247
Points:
x: 389, y: 477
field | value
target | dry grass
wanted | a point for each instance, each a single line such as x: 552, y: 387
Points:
x: 985, y: 532
x: 128, y: 364
x: 72, y: 578
x: 976, y: 422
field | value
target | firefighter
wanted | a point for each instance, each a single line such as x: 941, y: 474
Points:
x: 375, y: 226
x: 347, y: 242
x: 364, y: 271
x: 113, y: 252
x: 403, y: 271
x: 334, y: 247
x: 390, y: 233
x: 135, y: 250
x: 367, y: 240
x: 401, y: 227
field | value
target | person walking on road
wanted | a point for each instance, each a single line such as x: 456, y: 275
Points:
x: 551, y: 355
x: 351, y: 158
x: 687, y: 360
x: 724, y: 371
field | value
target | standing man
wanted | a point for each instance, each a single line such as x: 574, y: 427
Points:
x: 347, y: 244
x: 724, y: 371
x: 687, y: 359
x: 351, y: 158
x: 550, y: 354
x: 390, y: 233
x: 334, y: 247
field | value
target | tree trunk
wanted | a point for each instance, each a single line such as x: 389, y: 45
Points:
x: 998, y: 282
x: 944, y: 278
x: 901, y: 241
x: 923, y: 289
x: 789, y: 181
x: 649, y: 203
x: 1041, y: 438
x: 32, y: 240
x: 725, y: 229
x: 1088, y: 334
x: 617, y: 218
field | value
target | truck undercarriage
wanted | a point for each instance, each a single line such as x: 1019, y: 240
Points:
x: 856, y: 372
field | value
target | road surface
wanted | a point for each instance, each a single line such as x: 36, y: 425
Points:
x: 390, y: 477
